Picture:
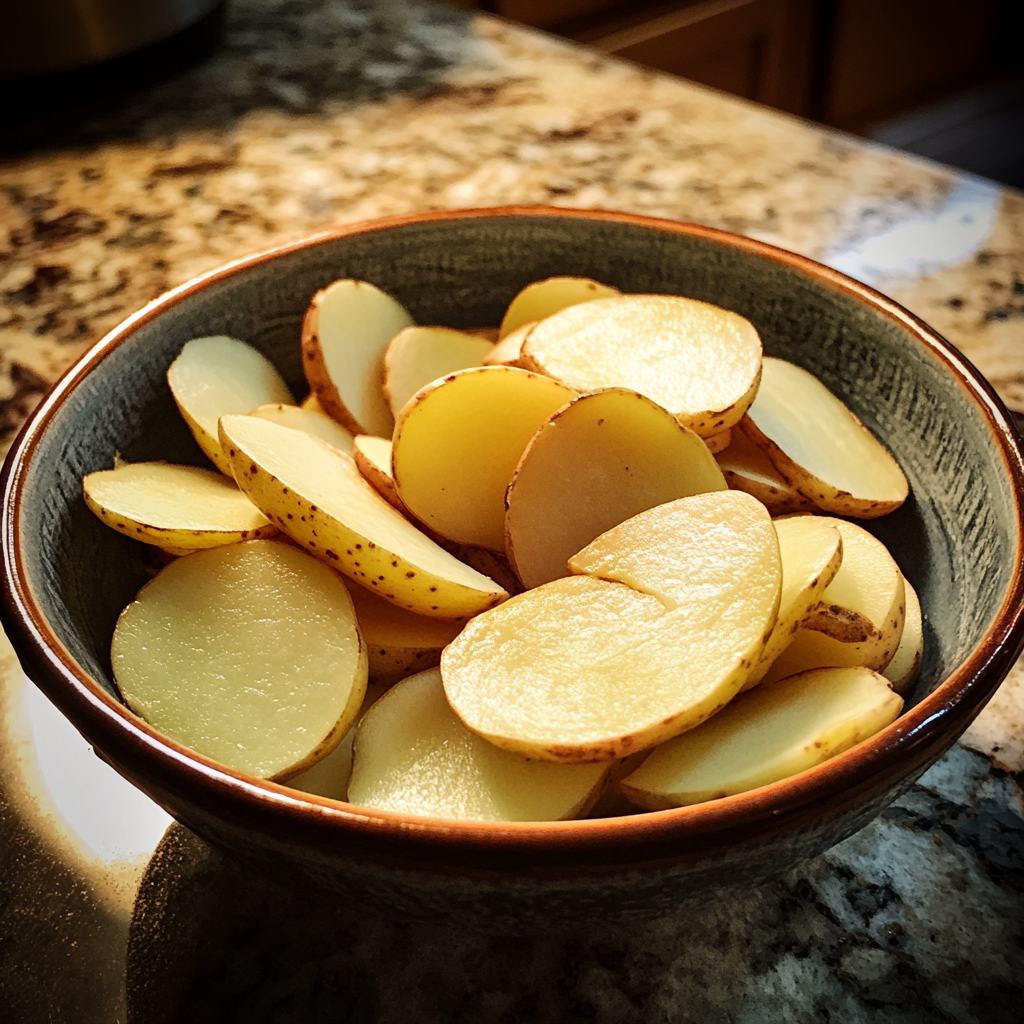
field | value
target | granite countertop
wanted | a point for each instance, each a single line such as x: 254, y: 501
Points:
x: 315, y: 114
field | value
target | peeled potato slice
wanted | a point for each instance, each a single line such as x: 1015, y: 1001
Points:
x: 586, y: 669
x: 698, y: 361
x: 373, y: 459
x: 820, y: 447
x: 902, y: 670
x: 769, y: 734
x: 310, y: 420
x: 318, y: 497
x: 344, y: 335
x: 413, y: 756
x: 419, y: 355
x: 456, y: 447
x: 508, y: 350
x: 600, y: 460
x: 215, y: 376
x: 542, y: 298
x: 249, y: 654
x: 179, y: 507
x: 747, y: 468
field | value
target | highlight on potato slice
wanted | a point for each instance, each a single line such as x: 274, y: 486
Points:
x: 508, y: 350
x: 586, y: 669
x: 180, y: 507
x: 417, y: 356
x: 698, y: 361
x: 766, y: 735
x: 456, y: 447
x: 373, y: 460
x: 219, y: 375
x: 318, y: 497
x: 820, y: 446
x: 902, y: 670
x: 542, y: 298
x: 249, y: 654
x: 600, y: 460
x: 345, y: 333
x: 414, y: 756
x: 747, y: 468
x: 310, y: 420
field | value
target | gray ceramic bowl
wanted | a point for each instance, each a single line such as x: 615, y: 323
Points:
x: 958, y: 539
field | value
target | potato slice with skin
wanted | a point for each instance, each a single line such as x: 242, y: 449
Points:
x: 600, y: 460
x: 902, y: 670
x: 218, y: 375
x: 718, y: 442
x: 698, y: 361
x: 249, y: 654
x: 747, y: 468
x: 373, y: 459
x: 179, y: 507
x: 456, y: 447
x: 345, y: 332
x: 765, y: 736
x: 413, y: 756
x: 312, y: 422
x: 419, y: 355
x: 542, y: 298
x: 819, y: 446
x: 508, y: 350
x: 583, y: 669
x: 318, y: 497
x: 811, y: 650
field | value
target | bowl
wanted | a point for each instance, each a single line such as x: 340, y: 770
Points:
x: 958, y: 540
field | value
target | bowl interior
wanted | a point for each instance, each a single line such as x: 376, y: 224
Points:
x: 955, y: 539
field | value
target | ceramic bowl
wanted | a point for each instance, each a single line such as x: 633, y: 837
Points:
x: 958, y: 540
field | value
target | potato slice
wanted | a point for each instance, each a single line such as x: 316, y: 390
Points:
x: 902, y: 670
x: 542, y: 298
x: 585, y: 669
x: 699, y: 362
x: 218, y: 375
x: 419, y: 355
x: 178, y: 507
x: 484, y: 560
x: 808, y: 650
x: 249, y: 654
x: 310, y: 420
x: 747, y: 468
x: 456, y: 447
x: 508, y: 350
x: 820, y: 447
x: 718, y: 442
x: 767, y: 735
x: 344, y: 335
x: 318, y: 497
x: 413, y: 756
x: 600, y: 460
x: 373, y: 459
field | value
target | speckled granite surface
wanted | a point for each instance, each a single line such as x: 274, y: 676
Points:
x: 316, y: 114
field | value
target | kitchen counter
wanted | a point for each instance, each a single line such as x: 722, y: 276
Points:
x: 314, y: 115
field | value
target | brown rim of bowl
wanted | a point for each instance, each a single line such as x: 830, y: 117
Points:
x: 912, y: 740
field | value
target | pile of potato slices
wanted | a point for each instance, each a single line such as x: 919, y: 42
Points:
x: 596, y: 562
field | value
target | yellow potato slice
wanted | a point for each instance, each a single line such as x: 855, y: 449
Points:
x: 419, y: 355
x: 249, y: 654
x: 310, y: 420
x: 413, y: 756
x: 318, y: 497
x: 747, y: 468
x: 456, y: 447
x: 699, y: 362
x: 542, y: 298
x: 808, y: 650
x: 586, y: 669
x: 345, y: 332
x: 767, y: 735
x: 600, y: 460
x: 484, y: 560
x: 178, y: 507
x: 373, y: 459
x: 820, y: 447
x: 718, y: 442
x: 218, y: 375
x: 902, y: 670
x: 507, y: 351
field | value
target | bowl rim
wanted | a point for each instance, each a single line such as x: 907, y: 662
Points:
x: 140, y: 752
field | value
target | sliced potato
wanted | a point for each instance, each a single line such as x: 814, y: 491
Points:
x: 718, y: 442
x: 600, y: 460
x: 373, y: 459
x: 747, y: 468
x: 318, y: 497
x: 698, y: 361
x: 419, y: 355
x: 249, y: 654
x: 542, y: 298
x: 808, y: 650
x: 490, y: 563
x: 344, y: 335
x: 178, y: 507
x: 413, y: 756
x: 218, y: 375
x: 310, y: 420
x: 769, y: 734
x: 902, y: 670
x: 456, y: 447
x: 586, y: 669
x: 820, y: 447
x: 508, y: 350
